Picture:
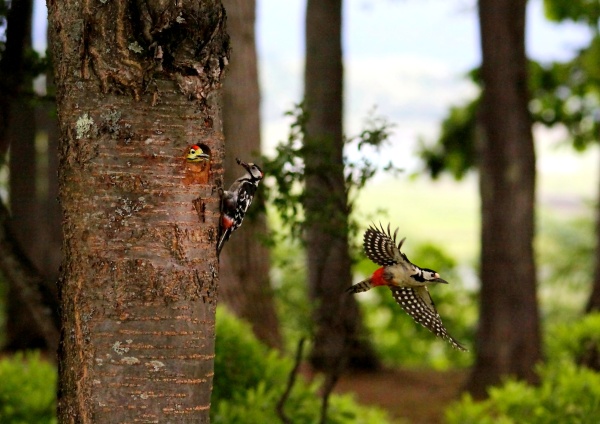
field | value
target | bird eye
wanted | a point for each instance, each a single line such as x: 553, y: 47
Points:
x: 192, y: 151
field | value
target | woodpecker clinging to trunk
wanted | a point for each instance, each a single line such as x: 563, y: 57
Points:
x: 236, y: 200
x: 407, y: 281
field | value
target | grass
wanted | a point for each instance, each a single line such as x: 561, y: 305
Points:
x: 442, y: 212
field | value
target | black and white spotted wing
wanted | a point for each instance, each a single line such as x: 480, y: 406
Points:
x: 235, y: 204
x: 380, y: 246
x: 236, y: 201
x: 417, y: 303
x: 245, y: 197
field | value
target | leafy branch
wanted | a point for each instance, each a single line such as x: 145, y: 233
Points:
x: 287, y: 168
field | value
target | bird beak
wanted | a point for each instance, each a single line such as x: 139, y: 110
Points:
x: 439, y: 281
x: 244, y: 164
x: 196, y: 156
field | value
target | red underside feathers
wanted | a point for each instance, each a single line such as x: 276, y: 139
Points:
x: 377, y: 278
x: 226, y: 222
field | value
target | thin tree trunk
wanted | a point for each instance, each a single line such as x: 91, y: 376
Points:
x: 508, y: 339
x: 137, y: 84
x: 593, y: 304
x: 245, y: 282
x: 590, y: 356
x: 336, y: 315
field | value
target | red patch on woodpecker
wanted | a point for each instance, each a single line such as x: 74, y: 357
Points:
x: 377, y: 278
x: 195, y: 147
x: 226, y: 222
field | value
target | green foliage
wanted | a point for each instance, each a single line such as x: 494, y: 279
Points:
x: 402, y: 342
x: 571, y: 341
x: 568, y: 393
x: 454, y: 151
x: 288, y: 170
x: 288, y: 278
x: 27, y: 390
x: 241, y: 362
x: 565, y: 257
x: 565, y: 93
x: 250, y: 380
x: 585, y: 11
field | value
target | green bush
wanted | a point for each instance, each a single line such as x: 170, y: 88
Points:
x: 250, y: 379
x: 241, y: 361
x: 27, y: 390
x: 569, y: 341
x: 568, y: 393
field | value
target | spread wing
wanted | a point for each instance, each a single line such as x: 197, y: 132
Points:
x: 380, y: 246
x: 417, y: 303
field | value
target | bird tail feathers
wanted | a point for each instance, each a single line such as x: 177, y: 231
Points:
x: 363, y: 286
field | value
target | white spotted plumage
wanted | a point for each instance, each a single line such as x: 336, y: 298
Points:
x: 407, y: 281
x: 417, y: 303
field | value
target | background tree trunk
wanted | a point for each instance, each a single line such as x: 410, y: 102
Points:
x: 508, y: 339
x: 12, y: 64
x: 245, y: 282
x: 23, y: 230
x: 137, y: 84
x: 590, y: 356
x: 51, y: 255
x: 593, y: 304
x: 336, y: 315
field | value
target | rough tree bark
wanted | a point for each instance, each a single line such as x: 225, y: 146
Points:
x: 137, y: 84
x: 508, y: 339
x: 244, y: 280
x: 336, y: 315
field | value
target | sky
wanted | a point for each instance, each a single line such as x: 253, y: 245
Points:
x: 407, y: 58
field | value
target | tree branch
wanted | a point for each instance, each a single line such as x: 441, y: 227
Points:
x: 292, y: 379
x: 331, y: 379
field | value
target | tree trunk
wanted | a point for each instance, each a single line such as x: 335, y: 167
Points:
x: 590, y: 356
x: 51, y: 255
x: 12, y: 63
x: 336, y: 315
x: 137, y: 84
x: 593, y: 304
x: 18, y: 130
x: 27, y: 284
x: 245, y: 283
x: 508, y: 339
